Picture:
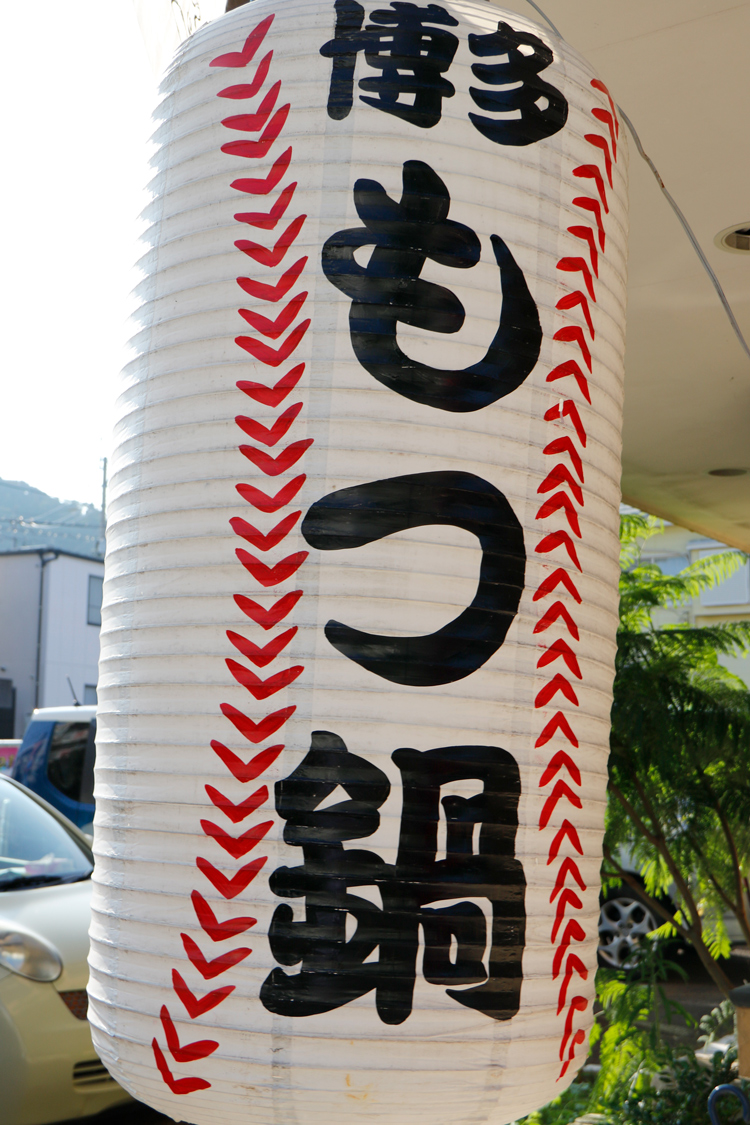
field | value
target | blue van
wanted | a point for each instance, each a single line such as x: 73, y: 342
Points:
x: 56, y: 760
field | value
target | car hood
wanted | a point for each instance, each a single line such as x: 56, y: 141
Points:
x: 59, y: 914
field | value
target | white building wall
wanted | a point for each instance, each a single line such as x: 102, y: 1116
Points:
x: 673, y: 548
x: 19, y: 609
x: 70, y: 646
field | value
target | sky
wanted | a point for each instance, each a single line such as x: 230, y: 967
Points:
x: 78, y: 93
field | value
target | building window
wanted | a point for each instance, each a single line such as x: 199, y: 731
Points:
x: 94, y: 612
x: 89, y: 694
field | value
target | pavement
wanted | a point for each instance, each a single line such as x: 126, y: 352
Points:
x: 698, y: 995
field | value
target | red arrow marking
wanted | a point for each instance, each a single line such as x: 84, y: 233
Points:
x: 559, y: 539
x: 236, y: 846
x: 193, y: 1006
x: 570, y: 367
x: 245, y: 90
x: 565, y: 445
x: 601, y: 143
x: 568, y: 830
x: 265, y: 354
x: 199, y: 1049
x: 272, y: 396
x: 560, y: 501
x: 570, y: 410
x: 210, y: 969
x: 270, y: 258
x: 594, y: 206
x: 557, y: 683
x: 176, y: 1085
x: 277, y: 327
x: 577, y: 1004
x: 252, y: 122
x: 555, y: 764
x: 555, y: 578
x: 265, y: 292
x: 573, y: 932
x: 267, y: 618
x: 599, y: 85
x: 567, y: 867
x: 578, y: 1038
x: 573, y: 964
x: 275, y: 466
x: 238, y: 813
x: 567, y: 898
x: 591, y: 172
x: 561, y: 790
x: 253, y: 41
x: 216, y: 930
x: 257, y: 539
x: 553, y: 613
x: 259, y: 688
x: 560, y: 475
x: 263, y: 187
x: 586, y: 234
x: 267, y: 220
x: 560, y: 649
x: 575, y: 265
x: 246, y: 771
x: 261, y: 655
x: 256, y: 732
x: 229, y: 888
x: 271, y: 575
x: 265, y: 503
x: 578, y: 298
x: 557, y: 722
x: 269, y: 435
x: 256, y: 150
x: 573, y: 334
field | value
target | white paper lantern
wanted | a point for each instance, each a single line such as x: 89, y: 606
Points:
x: 361, y: 580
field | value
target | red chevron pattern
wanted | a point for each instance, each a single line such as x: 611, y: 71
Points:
x: 283, y: 325
x: 564, y: 482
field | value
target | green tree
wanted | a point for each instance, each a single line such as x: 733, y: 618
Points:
x: 680, y: 752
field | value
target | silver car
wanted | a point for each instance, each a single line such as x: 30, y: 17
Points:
x: 49, y: 1070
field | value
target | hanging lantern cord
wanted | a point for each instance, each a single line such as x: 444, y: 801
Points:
x: 673, y: 204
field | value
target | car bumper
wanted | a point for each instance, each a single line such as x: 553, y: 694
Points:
x: 49, y: 1070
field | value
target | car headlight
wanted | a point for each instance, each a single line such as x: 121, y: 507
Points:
x: 28, y: 955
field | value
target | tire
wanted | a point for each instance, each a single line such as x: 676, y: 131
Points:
x: 624, y: 921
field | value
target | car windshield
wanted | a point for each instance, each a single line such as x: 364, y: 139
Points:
x: 35, y: 849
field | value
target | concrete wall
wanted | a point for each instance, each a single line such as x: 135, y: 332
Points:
x: 70, y: 646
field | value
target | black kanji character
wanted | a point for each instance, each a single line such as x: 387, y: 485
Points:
x: 389, y: 289
x: 411, y: 55
x: 335, y: 971
x: 534, y: 109
x: 352, y: 517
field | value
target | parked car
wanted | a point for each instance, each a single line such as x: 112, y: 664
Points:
x: 626, y: 917
x: 49, y: 1070
x: 56, y: 760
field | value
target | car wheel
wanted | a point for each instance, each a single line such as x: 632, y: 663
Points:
x: 624, y: 921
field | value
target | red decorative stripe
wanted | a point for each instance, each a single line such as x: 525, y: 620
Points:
x: 564, y: 502
x: 269, y: 121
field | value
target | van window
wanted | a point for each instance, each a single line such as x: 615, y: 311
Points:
x: 65, y: 760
